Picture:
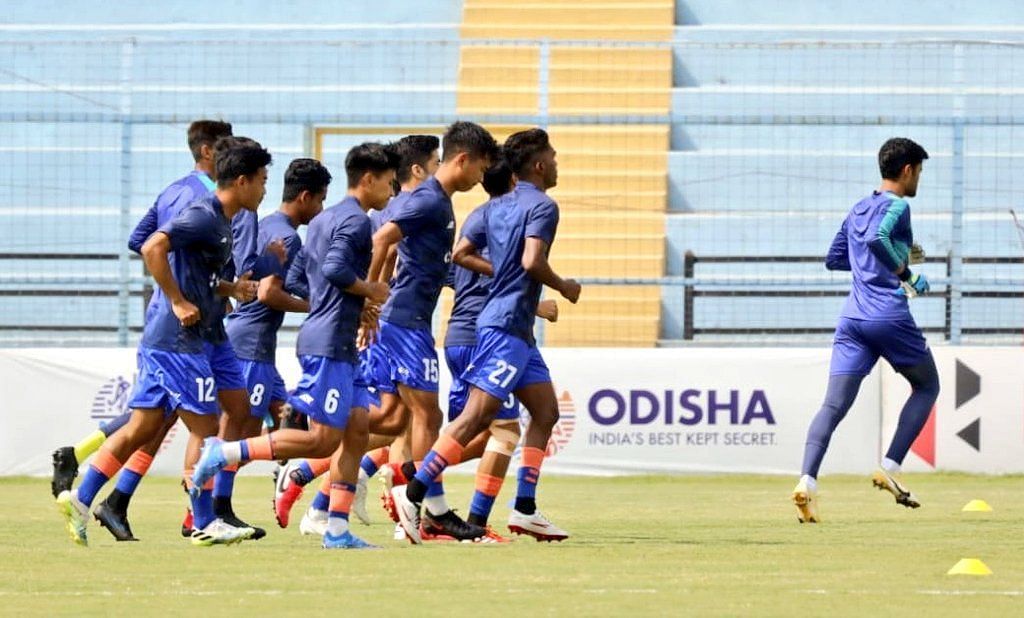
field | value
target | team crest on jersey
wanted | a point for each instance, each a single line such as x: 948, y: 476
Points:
x: 562, y: 432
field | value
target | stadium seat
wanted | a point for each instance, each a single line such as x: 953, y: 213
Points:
x: 600, y: 19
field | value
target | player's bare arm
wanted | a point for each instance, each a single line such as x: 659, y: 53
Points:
x: 271, y: 293
x: 386, y: 237
x: 242, y: 289
x: 154, y: 253
x: 467, y: 256
x: 535, y: 262
x: 548, y: 310
x: 388, y: 272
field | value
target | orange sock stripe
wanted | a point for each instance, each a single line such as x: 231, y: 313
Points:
x: 106, y: 463
x: 379, y: 455
x: 488, y: 484
x: 341, y: 498
x: 319, y: 466
x: 532, y: 457
x: 449, y: 448
x: 325, y: 485
x: 260, y: 448
x: 139, y: 462
x: 208, y: 485
x: 231, y: 468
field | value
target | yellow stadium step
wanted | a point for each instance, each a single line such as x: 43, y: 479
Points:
x: 613, y: 201
x: 623, y: 138
x: 506, y: 76
x: 610, y: 68
x: 585, y: 331
x: 612, y: 294
x: 496, y: 99
x: 605, y: 32
x: 623, y: 14
x: 620, y: 77
x: 499, y: 55
x: 632, y: 101
x: 613, y: 161
x: 609, y: 222
x: 574, y: 179
x: 594, y: 244
x: 644, y: 58
x: 607, y: 265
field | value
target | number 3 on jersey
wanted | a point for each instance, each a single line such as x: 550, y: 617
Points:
x: 502, y: 376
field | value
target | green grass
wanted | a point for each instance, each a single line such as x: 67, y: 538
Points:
x: 694, y: 545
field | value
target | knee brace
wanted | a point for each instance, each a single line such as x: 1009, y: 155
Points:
x: 504, y: 437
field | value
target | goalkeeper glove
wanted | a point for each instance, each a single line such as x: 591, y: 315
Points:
x: 916, y: 254
x: 914, y: 285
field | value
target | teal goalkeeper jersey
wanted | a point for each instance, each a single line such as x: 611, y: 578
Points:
x: 874, y: 242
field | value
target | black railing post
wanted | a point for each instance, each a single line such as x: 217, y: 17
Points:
x: 689, y: 259
x: 948, y: 325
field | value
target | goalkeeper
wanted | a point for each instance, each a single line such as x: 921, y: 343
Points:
x: 875, y: 243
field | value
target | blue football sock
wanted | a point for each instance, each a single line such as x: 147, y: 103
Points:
x: 842, y: 391
x: 924, y: 382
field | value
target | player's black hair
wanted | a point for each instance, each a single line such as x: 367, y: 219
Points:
x: 523, y: 148
x: 498, y: 176
x: 369, y: 157
x: 206, y: 133
x: 470, y: 138
x: 414, y: 150
x: 304, y: 175
x: 896, y: 153
x: 238, y: 156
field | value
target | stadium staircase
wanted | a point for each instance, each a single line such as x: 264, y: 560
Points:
x: 612, y: 187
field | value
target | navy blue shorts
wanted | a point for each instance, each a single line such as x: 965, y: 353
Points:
x: 227, y: 370
x: 264, y: 384
x: 410, y: 356
x: 328, y: 390
x: 503, y: 362
x: 172, y: 380
x: 458, y: 358
x: 859, y: 343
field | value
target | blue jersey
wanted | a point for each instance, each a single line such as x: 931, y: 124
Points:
x: 168, y: 204
x: 511, y: 219
x: 379, y: 217
x: 873, y: 242
x: 337, y: 253
x: 200, y: 238
x: 470, y: 287
x: 295, y: 281
x: 180, y: 194
x: 253, y: 326
x: 251, y: 256
x: 427, y: 222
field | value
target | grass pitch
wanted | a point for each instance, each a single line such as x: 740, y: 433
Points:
x: 653, y: 545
